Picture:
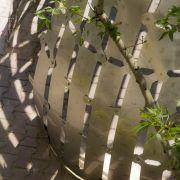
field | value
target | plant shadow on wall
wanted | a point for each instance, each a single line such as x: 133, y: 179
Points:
x: 166, y: 126
x: 24, y: 150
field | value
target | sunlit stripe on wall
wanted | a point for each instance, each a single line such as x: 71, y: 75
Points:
x: 153, y: 6
x: 95, y: 81
x: 114, y: 123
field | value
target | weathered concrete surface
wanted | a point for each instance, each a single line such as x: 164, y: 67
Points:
x: 85, y: 129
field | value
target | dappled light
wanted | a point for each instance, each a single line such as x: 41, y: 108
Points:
x: 13, y: 139
x: 24, y: 149
x: 3, y: 162
x: 73, y: 90
x: 4, y: 123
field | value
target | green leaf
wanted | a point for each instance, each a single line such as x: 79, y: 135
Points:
x: 170, y: 23
x: 74, y: 10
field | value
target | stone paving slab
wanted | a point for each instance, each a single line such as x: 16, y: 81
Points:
x: 25, y: 153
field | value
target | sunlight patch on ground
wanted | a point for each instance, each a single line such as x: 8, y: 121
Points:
x: 4, y: 58
x: 30, y: 112
x: 54, y: 175
x: 19, y: 89
x: 25, y: 66
x: 34, y: 25
x: 29, y: 166
x: 2, y: 114
x: 13, y: 139
x: 4, y: 123
x: 24, y: 43
x: 25, y: 9
x: 13, y: 63
x: 3, y: 162
x: 15, y: 38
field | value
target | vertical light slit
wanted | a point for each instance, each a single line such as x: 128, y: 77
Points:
x: 84, y: 136
x: 123, y: 89
x: 153, y: 6
x: 158, y: 90
x: 72, y: 63
x: 70, y: 73
x: 110, y: 142
x: 138, y: 150
x: 87, y: 114
x: 72, y: 27
x: 87, y: 9
x: 112, y: 131
x: 139, y: 43
x: 95, y: 80
x: 50, y: 71
x: 59, y: 38
x: 107, y: 160
x: 135, y: 171
x: 66, y: 93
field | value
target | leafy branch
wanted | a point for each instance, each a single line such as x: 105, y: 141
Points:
x: 167, y: 130
x: 170, y: 24
x: 55, y: 8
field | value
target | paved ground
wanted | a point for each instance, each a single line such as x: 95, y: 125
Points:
x: 24, y: 147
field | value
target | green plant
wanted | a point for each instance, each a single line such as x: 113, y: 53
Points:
x: 167, y: 130
x: 153, y: 116
x: 170, y: 24
x: 59, y: 6
x: 55, y: 7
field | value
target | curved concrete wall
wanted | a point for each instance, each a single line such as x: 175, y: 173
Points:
x: 90, y: 101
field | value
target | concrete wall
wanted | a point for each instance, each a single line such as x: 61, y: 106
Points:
x: 90, y: 102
